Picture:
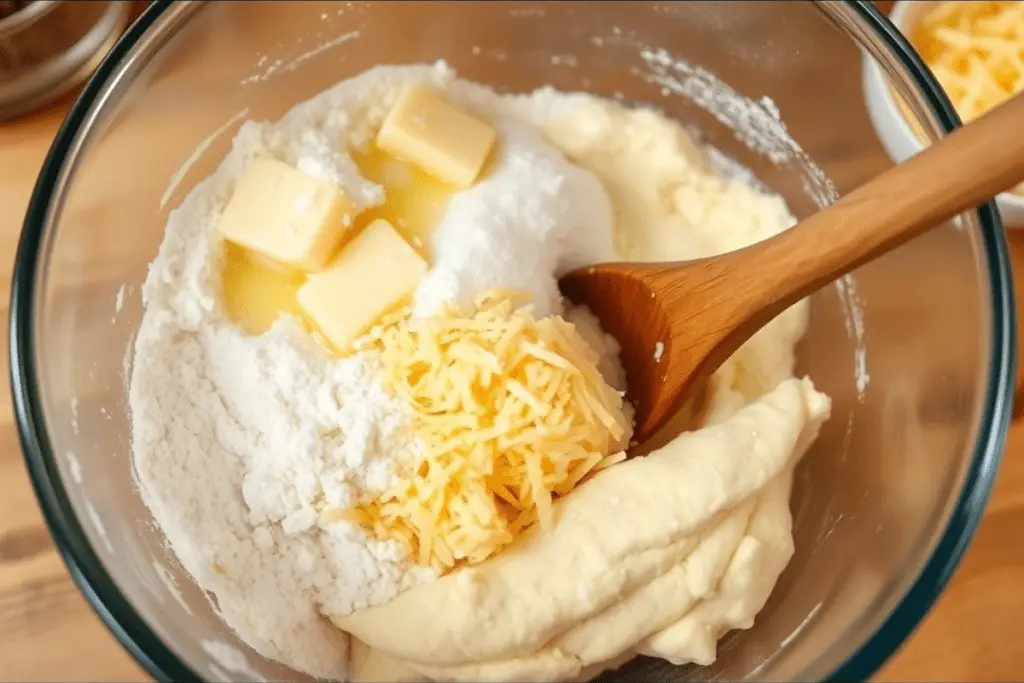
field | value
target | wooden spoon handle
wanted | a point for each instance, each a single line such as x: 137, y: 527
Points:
x: 954, y: 174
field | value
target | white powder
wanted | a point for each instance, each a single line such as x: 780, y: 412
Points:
x: 325, y: 447
x: 320, y: 158
x: 240, y: 441
x: 534, y: 217
x: 235, y: 439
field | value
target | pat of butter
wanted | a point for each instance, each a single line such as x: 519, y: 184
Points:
x: 371, y: 275
x: 428, y: 131
x: 284, y: 214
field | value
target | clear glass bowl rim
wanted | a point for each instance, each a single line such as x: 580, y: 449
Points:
x: 159, y: 661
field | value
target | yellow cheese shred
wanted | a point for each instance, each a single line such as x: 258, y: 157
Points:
x: 509, y: 412
x: 976, y: 50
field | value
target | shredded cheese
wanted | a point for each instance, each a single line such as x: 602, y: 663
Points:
x: 510, y: 412
x: 976, y: 51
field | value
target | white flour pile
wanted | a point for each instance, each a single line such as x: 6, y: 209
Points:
x: 238, y: 440
x: 534, y: 216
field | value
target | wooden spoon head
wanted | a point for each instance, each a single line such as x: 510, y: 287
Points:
x: 627, y: 300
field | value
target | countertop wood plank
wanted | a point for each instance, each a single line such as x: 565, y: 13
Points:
x: 50, y: 633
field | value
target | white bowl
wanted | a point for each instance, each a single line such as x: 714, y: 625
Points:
x: 892, y: 127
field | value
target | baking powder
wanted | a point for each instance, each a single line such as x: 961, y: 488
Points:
x: 535, y: 216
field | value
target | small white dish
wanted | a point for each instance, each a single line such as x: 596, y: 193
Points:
x: 892, y: 127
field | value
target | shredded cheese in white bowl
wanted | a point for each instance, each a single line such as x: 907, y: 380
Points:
x: 976, y: 52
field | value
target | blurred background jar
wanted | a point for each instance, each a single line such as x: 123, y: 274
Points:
x: 48, y: 48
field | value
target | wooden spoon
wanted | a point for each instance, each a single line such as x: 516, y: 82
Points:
x: 678, y: 322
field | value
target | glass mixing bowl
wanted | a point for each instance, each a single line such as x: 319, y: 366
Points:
x: 916, y: 350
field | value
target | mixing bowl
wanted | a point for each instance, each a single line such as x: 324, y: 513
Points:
x: 916, y: 349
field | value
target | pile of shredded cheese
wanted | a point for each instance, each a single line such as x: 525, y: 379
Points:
x: 976, y: 50
x: 510, y: 412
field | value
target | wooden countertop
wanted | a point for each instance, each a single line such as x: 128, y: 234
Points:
x: 50, y: 633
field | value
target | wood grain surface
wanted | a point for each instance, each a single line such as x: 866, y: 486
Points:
x: 49, y: 633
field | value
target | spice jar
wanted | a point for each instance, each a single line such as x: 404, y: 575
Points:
x: 49, y: 47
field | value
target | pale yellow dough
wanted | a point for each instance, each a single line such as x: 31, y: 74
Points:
x: 660, y: 555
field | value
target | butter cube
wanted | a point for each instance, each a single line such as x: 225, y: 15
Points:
x: 368, y: 278
x: 428, y: 131
x: 284, y: 214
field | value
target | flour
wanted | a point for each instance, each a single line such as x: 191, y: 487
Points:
x: 316, y: 155
x: 323, y: 449
x: 238, y: 441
